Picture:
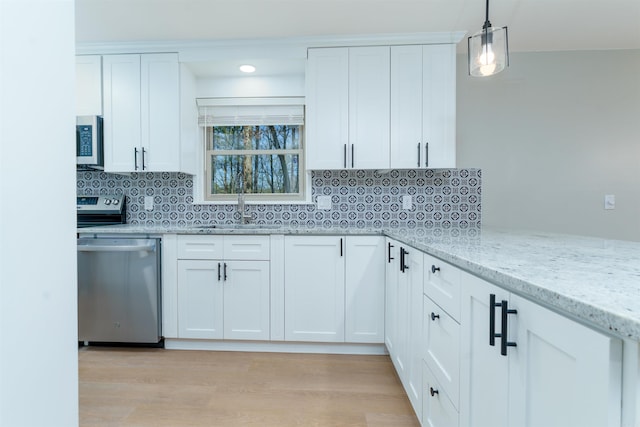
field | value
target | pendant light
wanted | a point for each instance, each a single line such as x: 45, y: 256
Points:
x: 488, y: 50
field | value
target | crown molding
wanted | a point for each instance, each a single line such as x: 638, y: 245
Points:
x: 293, y: 47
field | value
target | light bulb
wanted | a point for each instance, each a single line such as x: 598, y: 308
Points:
x: 487, y: 60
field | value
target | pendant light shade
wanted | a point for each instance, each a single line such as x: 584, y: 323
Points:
x: 488, y: 50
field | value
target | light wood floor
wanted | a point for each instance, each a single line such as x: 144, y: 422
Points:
x: 151, y: 387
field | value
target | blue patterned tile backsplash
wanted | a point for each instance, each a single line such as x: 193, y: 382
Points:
x: 365, y: 199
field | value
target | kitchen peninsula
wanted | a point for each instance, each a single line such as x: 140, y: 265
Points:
x: 588, y: 283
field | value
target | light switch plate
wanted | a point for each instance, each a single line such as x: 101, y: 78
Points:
x: 609, y: 201
x: 324, y: 202
x: 148, y: 203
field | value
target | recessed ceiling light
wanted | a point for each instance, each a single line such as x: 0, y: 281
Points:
x: 247, y: 68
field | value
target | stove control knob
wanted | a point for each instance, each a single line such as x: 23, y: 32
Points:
x: 116, y: 201
x: 107, y: 201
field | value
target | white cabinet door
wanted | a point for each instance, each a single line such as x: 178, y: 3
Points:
x: 484, y: 392
x: 369, y: 107
x: 560, y: 373
x: 391, y: 298
x: 415, y: 346
x: 406, y: 107
x: 327, y: 108
x: 423, y: 106
x: 314, y: 288
x: 89, y: 85
x: 160, y: 112
x: 122, y: 140
x: 246, y: 300
x: 141, y: 112
x: 200, y: 299
x: 364, y: 289
x: 439, y: 106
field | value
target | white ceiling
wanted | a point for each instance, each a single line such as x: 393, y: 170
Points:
x: 534, y: 25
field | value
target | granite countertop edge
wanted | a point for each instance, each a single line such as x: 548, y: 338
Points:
x: 562, y: 272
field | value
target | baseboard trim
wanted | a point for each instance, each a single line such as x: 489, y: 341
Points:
x: 276, y: 347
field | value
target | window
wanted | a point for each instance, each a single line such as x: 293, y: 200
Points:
x: 253, y: 149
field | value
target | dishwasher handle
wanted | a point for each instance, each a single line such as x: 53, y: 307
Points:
x: 138, y: 247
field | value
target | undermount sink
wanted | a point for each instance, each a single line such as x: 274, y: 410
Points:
x: 237, y: 227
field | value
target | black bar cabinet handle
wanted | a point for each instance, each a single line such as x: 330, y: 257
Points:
x: 352, y: 164
x: 404, y: 258
x: 225, y: 271
x: 143, y: 166
x: 401, y: 259
x: 492, y: 319
x: 219, y: 276
x: 135, y: 158
x: 389, y: 257
x: 341, y: 246
x: 426, y: 154
x: 418, y: 154
x: 504, y: 335
x: 345, y: 156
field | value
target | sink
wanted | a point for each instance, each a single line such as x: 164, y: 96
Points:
x: 237, y: 227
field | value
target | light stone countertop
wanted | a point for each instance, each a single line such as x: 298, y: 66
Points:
x: 594, y: 280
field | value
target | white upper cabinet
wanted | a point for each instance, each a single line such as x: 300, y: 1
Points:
x: 368, y: 107
x: 348, y: 108
x: 423, y: 106
x: 142, y: 102
x: 89, y: 85
x: 327, y: 110
x: 381, y: 107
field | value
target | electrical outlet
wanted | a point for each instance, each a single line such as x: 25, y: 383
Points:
x: 609, y: 201
x: 407, y: 202
x: 148, y: 203
x: 324, y: 202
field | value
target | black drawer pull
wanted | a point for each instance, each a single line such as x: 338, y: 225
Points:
x: 434, y: 316
x: 433, y: 391
x: 434, y: 269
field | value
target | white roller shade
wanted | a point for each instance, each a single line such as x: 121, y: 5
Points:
x: 250, y: 111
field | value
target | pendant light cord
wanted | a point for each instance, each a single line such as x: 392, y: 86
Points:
x: 487, y: 24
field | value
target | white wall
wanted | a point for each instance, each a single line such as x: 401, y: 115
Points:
x: 38, y: 329
x: 249, y: 86
x: 553, y: 134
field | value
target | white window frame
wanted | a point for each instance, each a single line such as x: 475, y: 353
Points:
x: 227, y: 107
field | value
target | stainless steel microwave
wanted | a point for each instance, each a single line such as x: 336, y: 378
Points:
x: 89, y: 141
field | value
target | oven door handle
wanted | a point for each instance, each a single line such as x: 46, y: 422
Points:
x: 146, y: 247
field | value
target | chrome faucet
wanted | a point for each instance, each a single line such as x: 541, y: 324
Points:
x: 244, y: 217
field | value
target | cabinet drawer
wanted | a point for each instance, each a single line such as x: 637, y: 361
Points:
x: 200, y: 247
x: 437, y: 409
x: 442, y: 348
x: 246, y: 247
x: 442, y: 285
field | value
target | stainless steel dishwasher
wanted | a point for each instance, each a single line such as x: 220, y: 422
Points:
x: 119, y: 290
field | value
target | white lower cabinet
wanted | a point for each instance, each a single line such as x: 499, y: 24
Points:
x: 334, y: 289
x: 314, y: 288
x: 404, y: 317
x: 364, y: 289
x: 437, y: 408
x: 554, y: 372
x: 223, y: 298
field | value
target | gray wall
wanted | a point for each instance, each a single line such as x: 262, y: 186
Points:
x: 553, y: 134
